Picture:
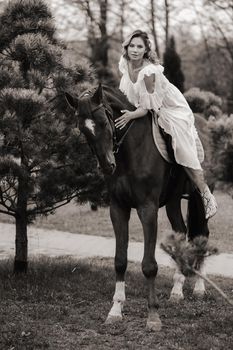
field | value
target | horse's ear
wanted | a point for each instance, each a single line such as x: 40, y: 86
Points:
x: 98, y: 95
x: 72, y: 101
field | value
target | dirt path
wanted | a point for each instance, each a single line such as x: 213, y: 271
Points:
x: 57, y: 243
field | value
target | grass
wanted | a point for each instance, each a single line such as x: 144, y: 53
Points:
x: 81, y: 219
x: 53, y: 308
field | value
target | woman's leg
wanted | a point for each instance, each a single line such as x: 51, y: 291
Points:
x: 197, y: 177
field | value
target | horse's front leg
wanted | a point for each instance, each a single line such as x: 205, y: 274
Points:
x: 120, y: 219
x: 148, y: 215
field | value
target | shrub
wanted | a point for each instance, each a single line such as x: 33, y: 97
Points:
x: 205, y: 102
x: 196, y: 99
x: 221, y: 131
x: 213, y: 99
x: 213, y: 111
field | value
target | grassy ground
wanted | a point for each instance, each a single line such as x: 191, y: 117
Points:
x: 81, y: 219
x: 53, y: 308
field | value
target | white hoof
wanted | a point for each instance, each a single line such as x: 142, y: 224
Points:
x: 153, y: 323
x: 176, y: 298
x: 199, y: 294
x: 113, y: 319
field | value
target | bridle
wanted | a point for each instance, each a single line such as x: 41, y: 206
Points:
x: 116, y: 143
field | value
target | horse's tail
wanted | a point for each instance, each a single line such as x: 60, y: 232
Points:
x: 196, y: 221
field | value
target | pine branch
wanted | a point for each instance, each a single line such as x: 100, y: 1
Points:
x: 190, y: 256
x: 214, y: 285
x: 53, y: 207
x: 10, y: 211
x: 36, y: 171
x: 7, y: 212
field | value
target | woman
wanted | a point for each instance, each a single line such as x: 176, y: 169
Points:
x: 146, y: 87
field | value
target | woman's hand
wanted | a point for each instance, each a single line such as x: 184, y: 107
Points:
x: 124, y: 119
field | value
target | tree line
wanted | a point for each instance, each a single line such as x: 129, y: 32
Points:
x: 207, y: 56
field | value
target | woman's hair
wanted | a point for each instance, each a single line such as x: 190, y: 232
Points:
x: 149, y: 54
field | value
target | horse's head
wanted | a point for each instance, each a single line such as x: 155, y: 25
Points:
x: 95, y: 122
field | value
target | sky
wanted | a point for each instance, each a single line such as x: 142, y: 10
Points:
x: 70, y: 22
x: 71, y: 25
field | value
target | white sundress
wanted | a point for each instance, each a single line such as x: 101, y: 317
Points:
x: 175, y: 115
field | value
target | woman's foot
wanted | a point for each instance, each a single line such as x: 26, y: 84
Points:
x: 209, y: 202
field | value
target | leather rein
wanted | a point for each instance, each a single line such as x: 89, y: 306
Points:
x: 116, y: 143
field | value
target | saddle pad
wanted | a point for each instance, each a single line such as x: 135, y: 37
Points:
x: 161, y: 145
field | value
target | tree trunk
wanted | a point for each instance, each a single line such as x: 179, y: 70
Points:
x: 21, y: 241
x: 122, y: 19
x: 153, y: 27
x: 21, y: 245
x: 103, y: 43
x: 230, y: 100
x: 167, y: 20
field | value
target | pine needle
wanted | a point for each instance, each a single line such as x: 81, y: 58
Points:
x: 190, y: 257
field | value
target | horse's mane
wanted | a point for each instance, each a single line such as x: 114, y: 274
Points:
x: 117, y: 98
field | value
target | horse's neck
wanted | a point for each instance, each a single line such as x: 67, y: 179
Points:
x: 136, y: 145
x: 141, y: 130
x: 140, y: 133
x: 118, y: 102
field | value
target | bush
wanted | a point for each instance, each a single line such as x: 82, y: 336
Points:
x: 205, y: 102
x: 212, y: 99
x: 222, y: 148
x: 213, y: 111
x: 196, y: 99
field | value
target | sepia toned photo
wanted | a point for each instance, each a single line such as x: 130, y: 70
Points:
x: 116, y: 174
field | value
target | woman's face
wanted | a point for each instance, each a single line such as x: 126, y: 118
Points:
x: 136, y: 49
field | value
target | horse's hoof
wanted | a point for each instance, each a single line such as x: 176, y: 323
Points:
x: 199, y: 294
x: 113, y: 319
x: 176, y: 298
x: 154, y: 326
x: 153, y: 323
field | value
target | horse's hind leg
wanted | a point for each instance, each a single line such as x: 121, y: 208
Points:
x: 148, y: 216
x: 197, y: 226
x: 175, y: 217
x: 199, y: 290
x: 120, y: 219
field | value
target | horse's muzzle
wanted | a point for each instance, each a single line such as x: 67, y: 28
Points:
x: 107, y: 164
x: 109, y: 169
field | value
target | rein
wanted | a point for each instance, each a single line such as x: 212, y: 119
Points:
x: 116, y: 144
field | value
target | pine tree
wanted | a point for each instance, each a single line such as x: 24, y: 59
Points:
x: 43, y: 163
x: 172, y: 65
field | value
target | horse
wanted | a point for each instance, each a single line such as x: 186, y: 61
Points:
x: 138, y: 177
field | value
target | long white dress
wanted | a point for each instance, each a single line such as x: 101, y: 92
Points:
x: 175, y: 115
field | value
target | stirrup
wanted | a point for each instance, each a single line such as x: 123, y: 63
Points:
x: 209, y: 202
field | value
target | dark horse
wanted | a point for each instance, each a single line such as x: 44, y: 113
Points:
x: 140, y: 178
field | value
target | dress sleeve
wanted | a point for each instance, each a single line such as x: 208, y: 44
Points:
x: 152, y: 101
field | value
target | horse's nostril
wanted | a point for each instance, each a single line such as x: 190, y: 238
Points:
x: 113, y: 166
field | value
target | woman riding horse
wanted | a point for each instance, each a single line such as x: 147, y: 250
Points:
x: 147, y: 88
x: 137, y: 175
